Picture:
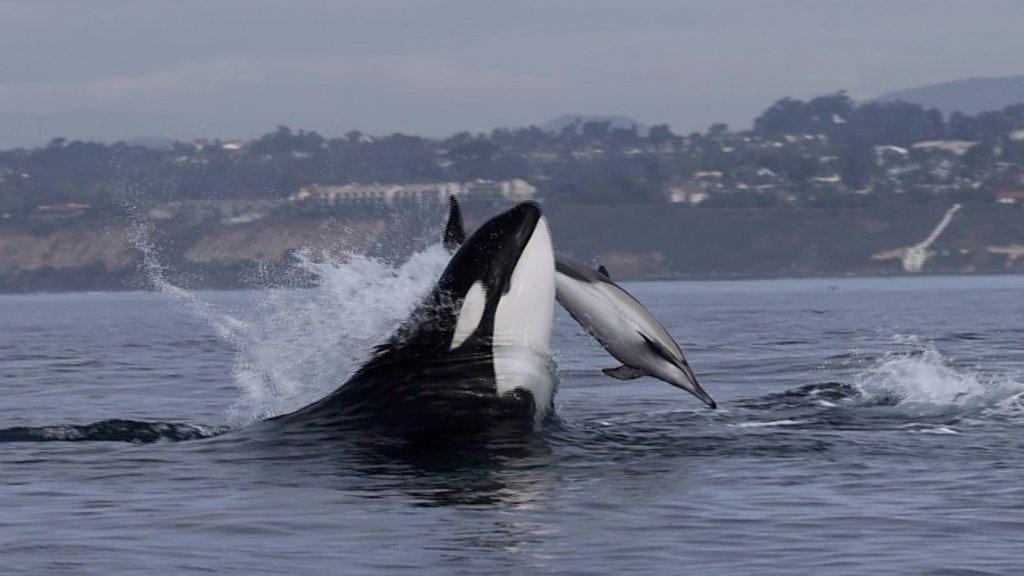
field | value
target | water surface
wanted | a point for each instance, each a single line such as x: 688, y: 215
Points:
x: 865, y: 425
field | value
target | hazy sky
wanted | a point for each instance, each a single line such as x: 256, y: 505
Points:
x: 237, y: 68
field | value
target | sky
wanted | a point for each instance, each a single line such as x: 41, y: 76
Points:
x: 110, y: 69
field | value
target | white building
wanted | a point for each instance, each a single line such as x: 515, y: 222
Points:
x: 680, y: 195
x: 502, y: 191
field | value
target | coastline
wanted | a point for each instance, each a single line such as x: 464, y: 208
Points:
x: 636, y: 242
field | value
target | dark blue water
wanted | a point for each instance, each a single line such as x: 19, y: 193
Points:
x: 865, y: 426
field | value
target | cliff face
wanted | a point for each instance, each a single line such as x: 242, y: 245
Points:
x: 269, y: 244
x: 643, y: 241
x: 95, y: 256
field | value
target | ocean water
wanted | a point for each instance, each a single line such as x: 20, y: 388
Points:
x: 865, y: 426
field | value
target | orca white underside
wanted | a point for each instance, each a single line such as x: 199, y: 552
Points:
x: 522, y: 326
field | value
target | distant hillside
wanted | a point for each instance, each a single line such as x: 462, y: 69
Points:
x: 969, y: 96
x: 615, y: 121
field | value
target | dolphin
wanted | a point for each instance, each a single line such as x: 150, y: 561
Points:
x: 620, y: 323
x: 625, y: 328
x: 476, y: 351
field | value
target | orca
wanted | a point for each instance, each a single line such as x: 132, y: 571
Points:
x: 476, y: 351
x: 620, y: 323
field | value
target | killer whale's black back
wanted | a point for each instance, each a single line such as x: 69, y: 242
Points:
x: 421, y: 379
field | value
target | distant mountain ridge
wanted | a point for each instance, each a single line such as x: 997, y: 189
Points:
x: 969, y: 96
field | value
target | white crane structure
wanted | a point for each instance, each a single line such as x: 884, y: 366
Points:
x: 917, y: 255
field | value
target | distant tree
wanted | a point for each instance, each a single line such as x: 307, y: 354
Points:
x: 897, y: 123
x: 718, y: 130
x: 473, y: 152
x: 937, y: 122
x: 569, y: 133
x: 458, y: 139
x: 474, y: 159
x: 978, y: 159
x: 856, y: 163
x: 822, y: 115
x: 596, y: 129
x: 784, y: 116
x: 624, y: 136
x: 660, y: 134
x: 501, y: 136
x: 531, y: 137
x: 795, y: 167
x: 962, y: 127
x: 989, y: 126
x: 654, y: 174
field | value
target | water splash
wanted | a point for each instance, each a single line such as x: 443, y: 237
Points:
x: 914, y: 383
x: 923, y: 380
x: 139, y: 235
x: 296, y: 345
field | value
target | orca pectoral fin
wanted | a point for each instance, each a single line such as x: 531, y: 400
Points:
x: 624, y: 373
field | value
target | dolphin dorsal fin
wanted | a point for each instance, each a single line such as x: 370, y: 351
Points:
x: 454, y: 232
x: 603, y: 271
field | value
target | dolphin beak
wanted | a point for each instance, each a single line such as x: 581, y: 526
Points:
x: 694, y: 388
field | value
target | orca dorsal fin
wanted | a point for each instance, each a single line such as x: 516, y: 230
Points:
x: 603, y: 271
x: 624, y: 373
x: 454, y: 231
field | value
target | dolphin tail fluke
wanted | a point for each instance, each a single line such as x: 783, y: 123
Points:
x: 454, y: 231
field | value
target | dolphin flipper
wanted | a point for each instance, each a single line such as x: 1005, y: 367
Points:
x: 624, y: 373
